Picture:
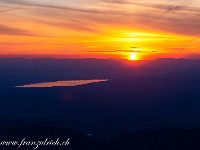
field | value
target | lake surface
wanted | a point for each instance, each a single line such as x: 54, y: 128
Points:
x: 62, y: 83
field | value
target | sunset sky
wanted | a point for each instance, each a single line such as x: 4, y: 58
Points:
x: 100, y: 28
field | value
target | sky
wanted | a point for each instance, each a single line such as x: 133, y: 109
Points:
x: 147, y: 29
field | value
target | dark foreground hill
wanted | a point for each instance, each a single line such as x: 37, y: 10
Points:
x: 54, y: 136
x: 163, y: 139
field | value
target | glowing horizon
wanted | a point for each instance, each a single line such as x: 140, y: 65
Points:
x: 100, y: 28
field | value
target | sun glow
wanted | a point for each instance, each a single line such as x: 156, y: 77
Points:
x: 133, y: 56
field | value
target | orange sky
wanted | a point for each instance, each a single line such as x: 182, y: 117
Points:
x: 99, y: 28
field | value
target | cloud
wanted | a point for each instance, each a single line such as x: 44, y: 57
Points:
x: 179, y: 49
x: 31, y: 4
x: 74, y: 25
x: 193, y: 39
x: 13, y: 31
x: 178, y: 18
x: 100, y: 51
x: 5, y: 10
x: 131, y: 51
x: 93, y: 10
x: 178, y: 5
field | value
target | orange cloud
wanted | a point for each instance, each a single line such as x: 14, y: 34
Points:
x: 99, y: 28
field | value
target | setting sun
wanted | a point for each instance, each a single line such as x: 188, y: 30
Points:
x: 133, y: 56
x: 90, y: 33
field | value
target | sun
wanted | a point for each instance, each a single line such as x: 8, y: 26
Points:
x: 133, y: 56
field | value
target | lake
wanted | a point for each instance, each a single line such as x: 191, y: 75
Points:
x: 62, y: 83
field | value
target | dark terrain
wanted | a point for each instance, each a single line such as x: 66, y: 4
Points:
x: 133, y: 110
